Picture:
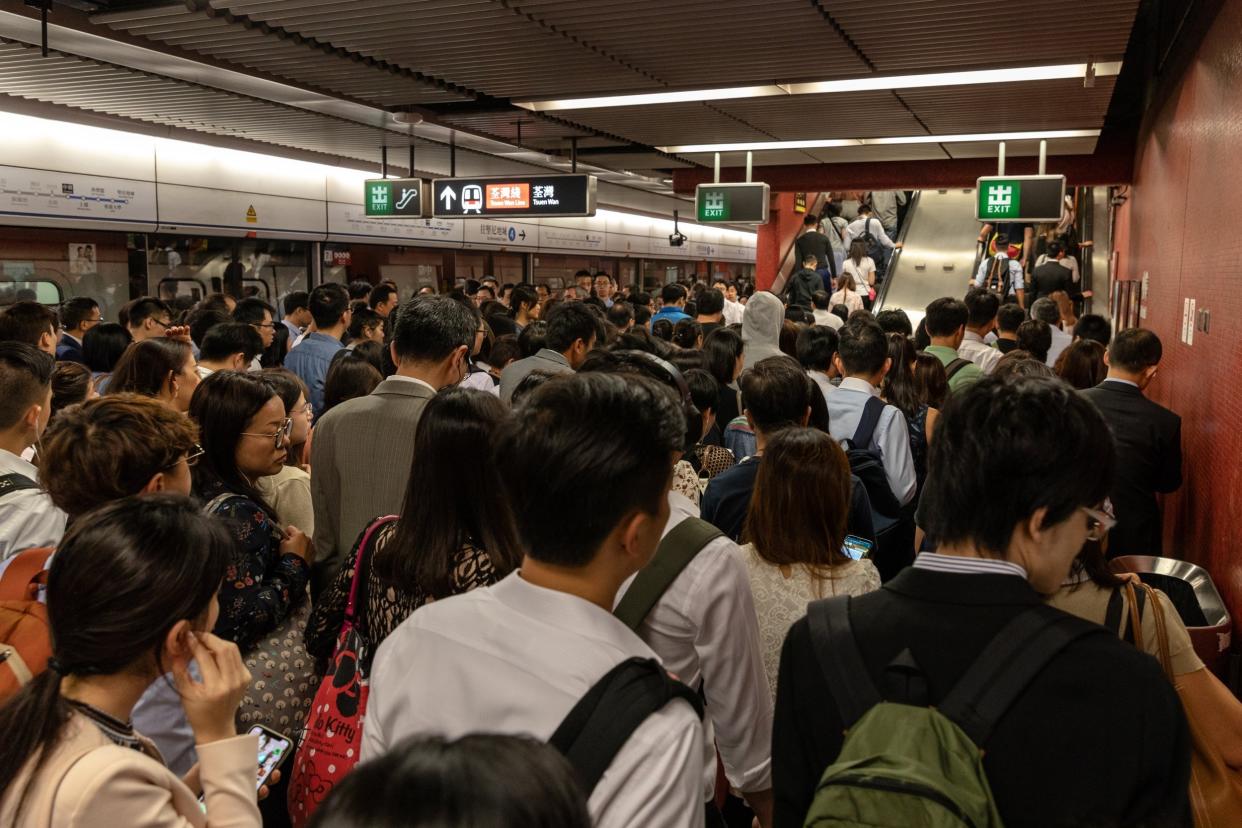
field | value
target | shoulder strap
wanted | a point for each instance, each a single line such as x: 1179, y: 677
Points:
x: 832, y: 638
x: 599, y: 725
x: 26, y: 570
x: 678, y: 548
x: 1112, y: 616
x: 871, y: 412
x: 214, y: 505
x: 953, y: 367
x: 15, y: 483
x: 1009, y: 662
x: 359, y: 582
x: 1162, y: 632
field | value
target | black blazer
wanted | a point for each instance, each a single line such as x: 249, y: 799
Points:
x: 1149, y: 460
x: 1098, y: 739
x: 67, y: 350
x: 1048, y: 278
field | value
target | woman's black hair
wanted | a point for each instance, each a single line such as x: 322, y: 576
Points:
x: 290, y: 388
x: 482, y: 780
x: 348, y: 377
x: 147, y: 365
x: 71, y: 384
x: 722, y: 347
x: 900, y: 386
x: 662, y: 329
x: 454, y: 496
x: 372, y: 352
x: 533, y: 338
x: 686, y: 333
x: 1092, y: 563
x: 103, y: 630
x: 223, y: 405
x: 103, y: 346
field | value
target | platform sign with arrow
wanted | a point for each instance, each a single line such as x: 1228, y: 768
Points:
x: 395, y: 197
x: 513, y: 196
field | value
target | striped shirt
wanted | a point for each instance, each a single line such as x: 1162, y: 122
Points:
x: 967, y: 566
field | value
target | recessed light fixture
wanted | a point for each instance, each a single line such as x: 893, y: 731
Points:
x: 863, y: 84
x: 827, y: 143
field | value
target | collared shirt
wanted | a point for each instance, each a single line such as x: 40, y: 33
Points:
x: 1060, y: 341
x: 825, y: 384
x: 545, y: 359
x: 965, y: 375
x: 416, y: 381
x: 310, y: 360
x: 860, y: 226
x: 1016, y: 282
x: 28, y: 517
x: 967, y: 566
x: 203, y: 371
x: 1122, y: 381
x: 733, y: 312
x: 515, y: 658
x: 828, y: 319
x: 891, y: 437
x: 704, y: 629
x: 977, y: 351
x: 294, y: 330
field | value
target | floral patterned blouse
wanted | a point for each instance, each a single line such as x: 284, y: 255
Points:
x: 388, y: 604
x: 261, y: 586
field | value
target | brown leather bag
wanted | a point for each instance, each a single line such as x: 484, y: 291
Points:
x: 1215, y: 788
x: 25, y: 637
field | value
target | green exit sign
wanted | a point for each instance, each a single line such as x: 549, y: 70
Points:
x: 396, y: 197
x: 1019, y: 198
x: 733, y: 203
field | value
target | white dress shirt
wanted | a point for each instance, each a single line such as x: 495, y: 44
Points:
x: 28, y: 518
x: 1060, y: 341
x: 873, y: 225
x: 733, y: 312
x: 828, y: 319
x: 891, y: 439
x: 414, y: 380
x: 977, y: 351
x: 515, y: 658
x: 821, y: 379
x: 704, y: 628
x: 1016, y: 282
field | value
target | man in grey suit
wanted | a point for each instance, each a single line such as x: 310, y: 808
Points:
x: 363, y: 448
x: 573, y: 330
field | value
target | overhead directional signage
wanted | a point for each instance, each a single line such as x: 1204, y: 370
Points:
x: 395, y: 197
x: 531, y: 195
x: 1019, y: 197
x: 734, y: 203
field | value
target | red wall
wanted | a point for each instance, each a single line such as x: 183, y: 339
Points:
x: 1181, y: 225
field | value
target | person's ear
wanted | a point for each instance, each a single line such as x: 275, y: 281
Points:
x: 47, y: 340
x: 888, y: 366
x: 392, y: 352
x: 239, y: 361
x: 154, y: 485
x: 838, y: 364
x: 31, y: 420
x: 173, y: 385
x: 631, y: 533
x: 1033, y: 527
x: 177, y: 643
x: 806, y: 416
x: 1107, y: 363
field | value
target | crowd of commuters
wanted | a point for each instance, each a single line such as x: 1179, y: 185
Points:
x: 587, y: 557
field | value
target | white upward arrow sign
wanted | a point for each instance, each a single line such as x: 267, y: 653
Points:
x: 447, y: 197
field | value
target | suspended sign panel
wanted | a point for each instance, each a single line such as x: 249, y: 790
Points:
x: 515, y: 196
x: 1019, y: 197
x: 732, y: 203
x: 395, y: 197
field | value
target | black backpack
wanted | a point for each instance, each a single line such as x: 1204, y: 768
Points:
x: 866, y: 464
x: 874, y: 248
x: 997, y: 278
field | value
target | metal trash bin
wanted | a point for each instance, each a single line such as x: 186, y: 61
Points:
x: 1211, y: 627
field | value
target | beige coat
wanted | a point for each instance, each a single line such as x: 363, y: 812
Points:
x: 91, y: 781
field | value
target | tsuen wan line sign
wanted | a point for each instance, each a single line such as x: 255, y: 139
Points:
x: 513, y: 196
x: 735, y: 203
x: 395, y: 197
x: 1019, y: 197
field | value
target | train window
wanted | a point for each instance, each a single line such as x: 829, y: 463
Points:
x: 43, y: 291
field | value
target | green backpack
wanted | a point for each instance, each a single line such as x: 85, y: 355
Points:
x: 904, y: 765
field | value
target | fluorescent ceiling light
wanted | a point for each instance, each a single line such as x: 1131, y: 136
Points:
x: 760, y: 146
x: 864, y: 84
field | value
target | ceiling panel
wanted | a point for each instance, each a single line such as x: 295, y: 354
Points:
x: 668, y: 123
x: 801, y: 117
x: 1056, y: 146
x: 1037, y: 105
x: 879, y: 153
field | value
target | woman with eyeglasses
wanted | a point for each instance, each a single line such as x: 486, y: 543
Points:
x: 245, y: 432
x: 288, y: 491
x: 161, y: 368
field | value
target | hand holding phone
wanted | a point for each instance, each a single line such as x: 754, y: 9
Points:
x: 856, y: 548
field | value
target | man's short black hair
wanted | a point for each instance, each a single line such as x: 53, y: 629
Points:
x: 810, y: 220
x: 429, y: 328
x: 252, y: 310
x: 25, y: 376
x: 359, y: 289
x: 819, y: 300
x: 1047, y: 443
x: 776, y: 392
x: 1054, y: 249
x: 1047, y: 310
x: 583, y: 452
x: 202, y: 320
x: 672, y: 294
x: 570, y: 321
x: 1094, y: 327
x: 142, y: 309
x: 816, y: 346
x: 1001, y: 241
x: 711, y: 302
x: 620, y: 314
x: 222, y: 341
x: 327, y: 304
x: 380, y: 294
x: 704, y: 392
x: 1035, y: 336
x: 296, y: 300
x: 981, y: 307
x: 945, y: 316
x: 1135, y: 350
x: 864, y: 208
x: 894, y: 320
x: 363, y: 318
x: 533, y: 338
x: 77, y: 310
x: 810, y: 259
x: 863, y: 347
x: 27, y: 322
x: 1009, y: 317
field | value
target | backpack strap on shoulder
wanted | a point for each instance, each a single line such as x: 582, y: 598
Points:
x: 594, y: 731
x: 675, y: 552
x: 15, y: 483
x: 953, y: 367
x: 1007, y: 665
x: 832, y: 638
x: 867, y: 424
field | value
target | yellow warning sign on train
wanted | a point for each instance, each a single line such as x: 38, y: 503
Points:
x: 251, y: 216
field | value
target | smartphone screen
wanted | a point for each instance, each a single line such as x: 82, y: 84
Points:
x: 856, y: 548
x: 272, y: 750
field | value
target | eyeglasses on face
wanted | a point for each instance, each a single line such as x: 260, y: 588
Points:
x: 281, y: 437
x: 1099, y: 522
x: 191, y: 457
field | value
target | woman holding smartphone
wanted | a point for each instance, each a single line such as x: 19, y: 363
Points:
x: 70, y: 756
x: 795, y: 537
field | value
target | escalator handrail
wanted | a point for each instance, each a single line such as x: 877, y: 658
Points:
x: 882, y: 293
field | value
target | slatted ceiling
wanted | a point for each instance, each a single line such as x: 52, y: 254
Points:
x: 794, y: 117
x: 636, y: 161
x: 1037, y: 105
x: 1056, y: 146
x: 668, y: 124
x: 922, y: 35
x: 504, y: 125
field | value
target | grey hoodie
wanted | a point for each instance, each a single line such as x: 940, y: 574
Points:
x: 761, y: 328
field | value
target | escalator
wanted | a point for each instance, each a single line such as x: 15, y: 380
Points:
x: 939, y: 253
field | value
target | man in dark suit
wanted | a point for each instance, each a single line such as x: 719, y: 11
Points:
x: 1051, y: 276
x: 1097, y: 736
x: 1148, y: 438
x: 77, y: 316
x: 363, y: 447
